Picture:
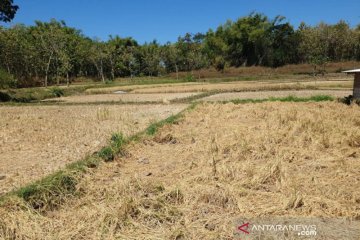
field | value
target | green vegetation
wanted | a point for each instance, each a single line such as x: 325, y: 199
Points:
x: 50, y: 192
x: 154, y: 127
x: 57, y: 92
x: 37, y: 94
x: 117, y: 142
x: 6, y: 80
x: 7, y: 10
x: 317, y: 98
x: 51, y: 53
x: 107, y: 154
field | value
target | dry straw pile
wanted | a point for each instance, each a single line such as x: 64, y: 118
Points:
x: 194, y: 179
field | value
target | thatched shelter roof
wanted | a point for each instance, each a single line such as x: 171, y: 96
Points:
x: 352, y: 71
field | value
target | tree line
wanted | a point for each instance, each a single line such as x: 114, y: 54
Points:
x: 53, y: 53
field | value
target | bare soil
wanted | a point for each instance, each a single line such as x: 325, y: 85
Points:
x: 36, y: 141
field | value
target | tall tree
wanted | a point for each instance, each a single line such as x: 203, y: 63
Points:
x: 7, y: 10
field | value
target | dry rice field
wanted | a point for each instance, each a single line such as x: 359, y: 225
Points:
x: 267, y: 94
x: 123, y: 97
x: 221, y: 162
x: 105, y: 90
x: 245, y: 86
x: 227, y: 86
x: 38, y: 140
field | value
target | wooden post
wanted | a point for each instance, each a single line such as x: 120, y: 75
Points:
x: 356, y: 90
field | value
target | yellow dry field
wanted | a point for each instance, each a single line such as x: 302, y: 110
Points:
x: 194, y: 179
x: 227, y: 86
x: 37, y: 140
x: 124, y: 97
x: 267, y: 94
x: 105, y: 90
x: 243, y: 86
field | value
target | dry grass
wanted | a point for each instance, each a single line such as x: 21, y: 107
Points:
x: 194, y: 179
x: 246, y: 86
x: 268, y: 94
x: 333, y: 81
x: 128, y: 97
x: 106, y: 90
x: 35, y: 141
x: 270, y: 72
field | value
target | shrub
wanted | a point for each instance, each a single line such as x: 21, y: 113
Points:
x: 7, y: 80
x: 189, y: 77
x: 117, y: 140
x: 4, y: 97
x: 107, y: 154
x: 57, y: 92
x: 347, y: 100
x: 107, y: 82
x: 50, y: 192
x: 220, y: 64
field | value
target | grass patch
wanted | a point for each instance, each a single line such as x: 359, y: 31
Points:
x: 154, y: 127
x: 107, y: 154
x: 317, y: 98
x: 57, y: 92
x: 50, y: 192
x: 26, y: 95
x: 194, y: 97
x: 117, y: 142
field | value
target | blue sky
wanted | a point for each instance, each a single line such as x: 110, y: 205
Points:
x: 165, y: 20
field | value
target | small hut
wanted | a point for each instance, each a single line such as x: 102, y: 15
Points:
x: 356, y: 89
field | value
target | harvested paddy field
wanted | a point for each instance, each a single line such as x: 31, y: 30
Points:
x: 244, y: 86
x: 196, y: 178
x: 267, y: 94
x: 37, y: 140
x: 105, y: 90
x: 123, y: 97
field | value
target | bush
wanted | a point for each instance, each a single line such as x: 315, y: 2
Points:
x: 4, y: 97
x: 57, y: 92
x: 50, y: 192
x: 189, y: 77
x: 7, y: 80
x: 107, y: 154
x: 346, y: 100
x: 220, y: 64
x: 117, y: 140
x: 107, y: 82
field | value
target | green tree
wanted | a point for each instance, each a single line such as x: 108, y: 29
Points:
x: 7, y: 10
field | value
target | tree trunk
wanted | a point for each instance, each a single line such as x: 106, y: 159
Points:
x: 47, y: 71
x: 112, y: 69
x: 102, y: 74
x: 67, y: 79
x: 8, y: 68
x: 177, y: 72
